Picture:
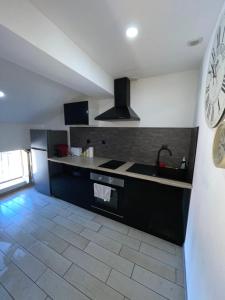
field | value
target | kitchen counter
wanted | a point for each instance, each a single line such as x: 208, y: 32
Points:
x: 93, y: 164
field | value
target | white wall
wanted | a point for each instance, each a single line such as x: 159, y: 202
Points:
x: 162, y: 101
x: 14, y: 137
x: 205, y: 242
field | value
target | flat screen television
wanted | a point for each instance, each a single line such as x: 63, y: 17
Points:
x: 76, y: 113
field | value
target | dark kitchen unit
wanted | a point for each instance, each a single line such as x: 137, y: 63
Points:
x: 43, y: 144
x: 158, y: 209
x: 76, y: 113
x: 71, y: 184
x: 153, y: 207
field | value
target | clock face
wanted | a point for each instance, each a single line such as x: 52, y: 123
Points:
x: 215, y: 85
x: 219, y: 147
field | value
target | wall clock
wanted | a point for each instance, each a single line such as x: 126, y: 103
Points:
x: 215, y: 85
x: 219, y: 147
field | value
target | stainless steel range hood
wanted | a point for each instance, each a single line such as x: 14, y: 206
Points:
x: 121, y: 110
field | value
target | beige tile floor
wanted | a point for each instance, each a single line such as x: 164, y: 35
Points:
x: 50, y: 249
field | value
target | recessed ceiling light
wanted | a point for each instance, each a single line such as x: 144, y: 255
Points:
x: 131, y: 32
x: 195, y: 42
x: 2, y: 94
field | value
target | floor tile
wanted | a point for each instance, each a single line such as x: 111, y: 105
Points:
x: 20, y: 236
x: 83, y: 221
x: 42, y: 221
x: 25, y: 224
x: 20, y: 286
x: 90, y: 286
x: 50, y: 258
x: 96, y: 258
x: 88, y: 263
x: 158, y: 284
x: 111, y: 224
x: 6, y: 216
x: 30, y: 265
x: 168, y: 258
x: 50, y: 239
x: 26, y: 202
x: 4, y: 295
x: 35, y: 197
x: 113, y: 260
x: 101, y: 240
x: 6, y: 212
x: 131, y: 288
x: 152, y: 240
x: 7, y: 244
x: 179, y: 251
x: 121, y: 238
x: 17, y: 208
x: 4, y: 261
x: 58, y: 288
x: 75, y: 227
x: 70, y: 236
x: 53, y: 209
x: 86, y: 214
x: 149, y: 263
x: 180, y: 277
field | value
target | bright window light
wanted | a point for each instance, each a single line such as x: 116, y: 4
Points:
x: 13, y: 166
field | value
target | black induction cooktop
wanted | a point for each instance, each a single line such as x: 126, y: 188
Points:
x: 112, y: 164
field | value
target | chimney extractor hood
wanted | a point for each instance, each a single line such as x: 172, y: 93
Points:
x: 121, y: 110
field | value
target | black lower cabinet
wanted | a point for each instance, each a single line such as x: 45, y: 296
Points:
x: 70, y: 183
x: 157, y: 209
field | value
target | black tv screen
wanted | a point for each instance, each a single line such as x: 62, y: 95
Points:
x: 76, y: 113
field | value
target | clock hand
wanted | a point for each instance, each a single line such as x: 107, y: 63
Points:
x: 212, y: 66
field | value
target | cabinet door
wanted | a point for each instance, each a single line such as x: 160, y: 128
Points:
x: 156, y: 209
x: 71, y: 184
x: 80, y: 186
x: 166, y: 214
x: 139, y: 196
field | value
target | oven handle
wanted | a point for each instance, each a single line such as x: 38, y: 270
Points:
x: 107, y: 179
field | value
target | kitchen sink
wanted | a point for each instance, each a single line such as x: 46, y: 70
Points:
x: 169, y: 173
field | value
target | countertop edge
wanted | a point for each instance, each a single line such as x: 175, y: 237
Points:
x: 170, y: 182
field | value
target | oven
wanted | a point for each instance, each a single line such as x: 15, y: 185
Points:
x: 108, y: 194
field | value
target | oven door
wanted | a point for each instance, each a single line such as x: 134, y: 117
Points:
x: 109, y: 195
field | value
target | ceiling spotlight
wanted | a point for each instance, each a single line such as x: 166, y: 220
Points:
x: 195, y: 42
x: 131, y: 32
x: 2, y: 94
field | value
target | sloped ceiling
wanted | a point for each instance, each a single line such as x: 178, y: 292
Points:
x: 165, y: 27
x: 30, y: 98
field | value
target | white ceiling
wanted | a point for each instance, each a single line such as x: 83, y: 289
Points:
x: 165, y: 26
x: 30, y: 98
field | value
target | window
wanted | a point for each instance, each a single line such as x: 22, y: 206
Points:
x: 13, y: 168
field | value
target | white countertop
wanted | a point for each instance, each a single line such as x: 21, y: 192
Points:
x: 93, y: 163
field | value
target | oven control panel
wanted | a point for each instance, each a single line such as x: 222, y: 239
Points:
x: 107, y: 179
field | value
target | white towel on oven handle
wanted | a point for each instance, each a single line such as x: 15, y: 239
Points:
x: 102, y: 192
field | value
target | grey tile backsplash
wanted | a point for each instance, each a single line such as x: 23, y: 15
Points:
x: 135, y: 144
